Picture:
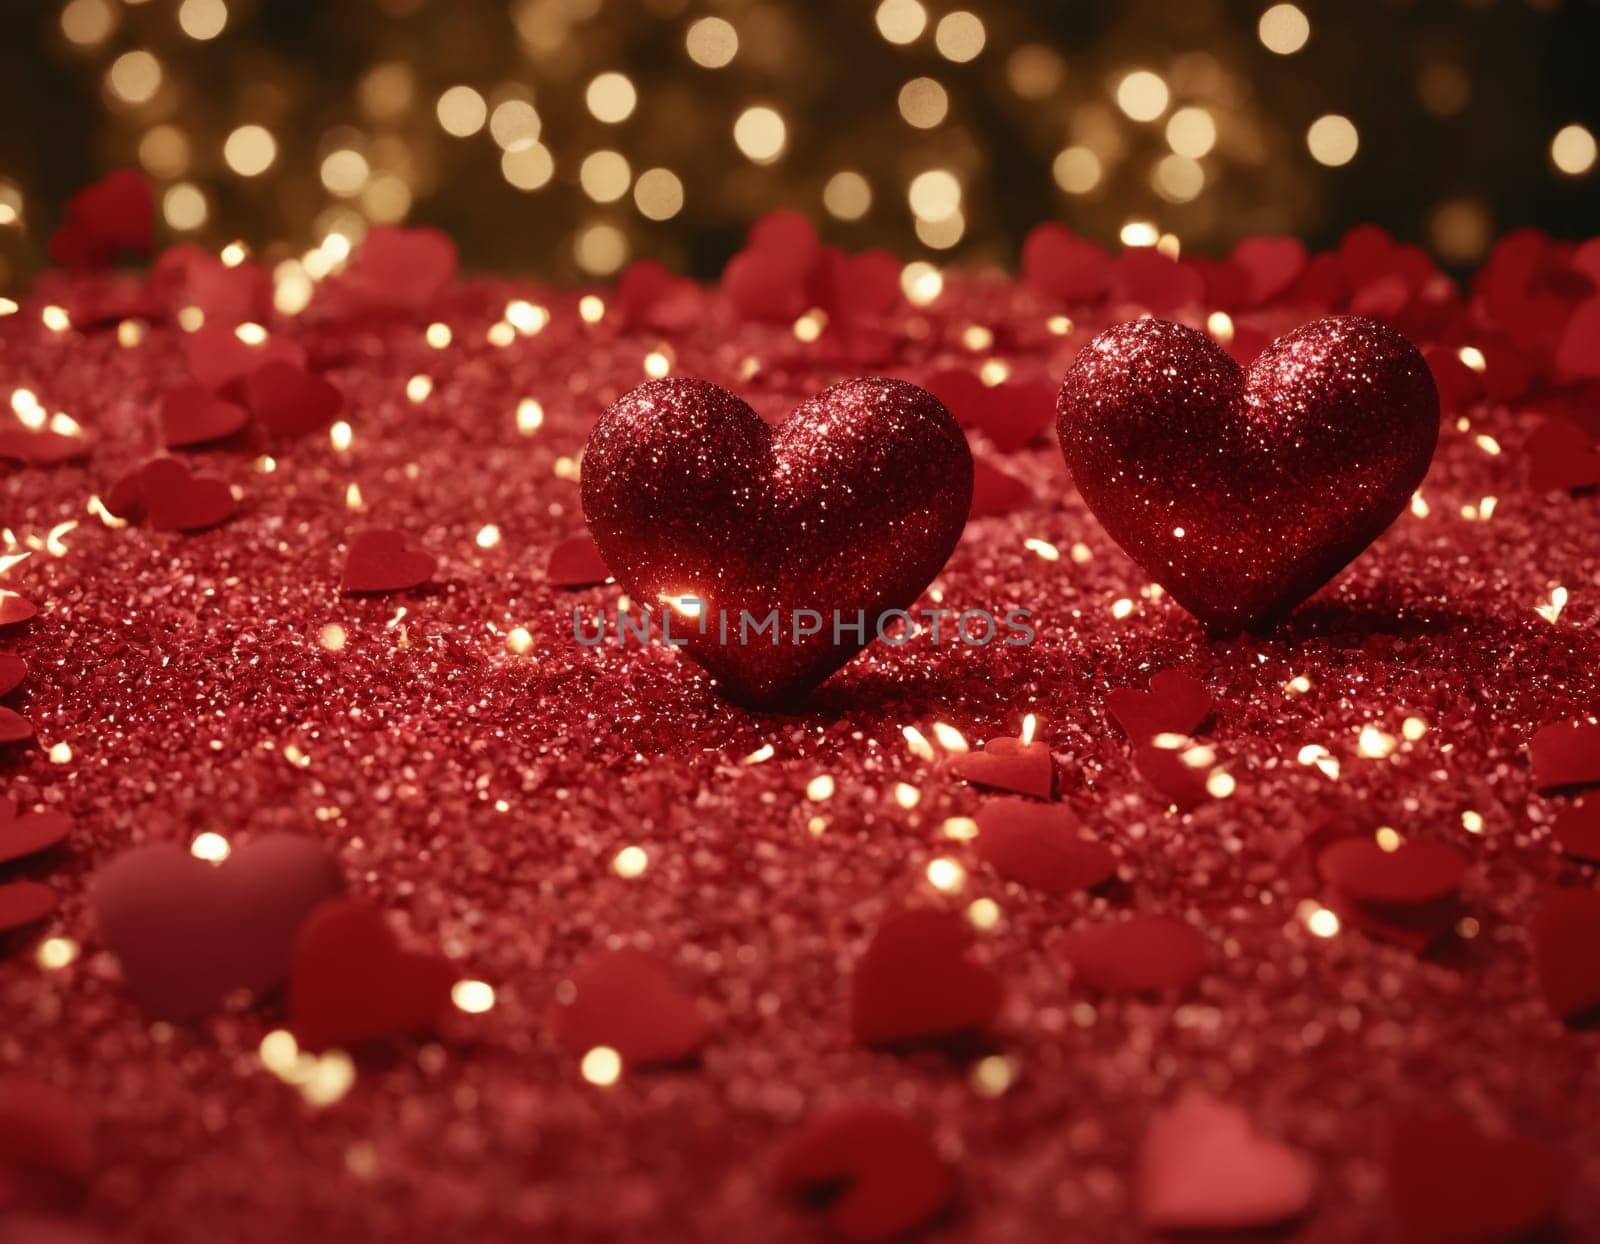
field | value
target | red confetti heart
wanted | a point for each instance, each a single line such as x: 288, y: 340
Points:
x: 880, y: 1171
x: 14, y: 727
x: 1270, y: 265
x: 769, y: 281
x: 1041, y: 845
x: 290, y: 401
x: 1063, y: 267
x: 22, y: 836
x: 1566, y: 930
x: 15, y: 608
x: 994, y: 492
x: 650, y: 296
x: 1009, y: 764
x: 220, y: 361
x: 1561, y: 456
x: 1450, y: 1184
x: 576, y: 562
x: 190, y: 415
x: 1577, y: 830
x: 1244, y: 492
x: 1180, y: 774
x: 401, y: 270
x: 23, y: 903
x: 625, y: 999
x: 187, y: 932
x: 46, y: 1146
x: 1142, y: 954
x: 1416, y: 872
x: 1142, y: 276
x: 165, y: 495
x: 1203, y: 1167
x: 382, y: 560
x: 1177, y: 703
x: 1415, y: 928
x: 111, y: 217
x: 227, y: 295
x: 915, y: 983
x: 1565, y: 754
x: 41, y: 447
x: 847, y: 510
x: 13, y: 669
x: 1578, y: 354
x: 351, y: 983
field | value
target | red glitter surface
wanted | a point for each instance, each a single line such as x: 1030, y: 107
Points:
x: 476, y: 781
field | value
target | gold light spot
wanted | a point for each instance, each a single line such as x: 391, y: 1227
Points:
x: 1191, y: 132
x: 917, y: 742
x: 530, y: 416
x: 760, y: 135
x: 1488, y: 444
x: 1142, y: 95
x: 202, y: 20
x: 250, y: 150
x: 1413, y: 728
x: 332, y: 1076
x: 526, y: 317
x: 1322, y: 923
x: 948, y: 737
x: 600, y: 249
x: 1042, y: 548
x: 1374, y: 743
x: 488, y: 536
x: 1178, y: 179
x: 1387, y: 838
x: 1219, y: 785
x: 1572, y: 150
x: 88, y: 22
x: 923, y: 103
x: 946, y: 874
x: 630, y: 862
x: 278, y: 1052
x: 1220, y: 325
x: 906, y: 795
x: 55, y: 953
x: 528, y: 168
x: 1332, y: 140
x: 1419, y: 505
x: 514, y: 124
x: 1473, y: 358
x: 658, y: 194
x: 1314, y: 755
x: 1140, y: 233
x: 134, y: 77
x: 959, y: 36
x: 601, y: 1066
x: 56, y: 319
x: 1034, y: 71
x: 611, y: 97
x: 657, y: 365
x: 808, y: 327
x: 60, y: 754
x: 1550, y: 609
x: 959, y: 828
x: 761, y: 755
x: 1122, y: 608
x: 1081, y: 554
x: 211, y: 847
x: 332, y: 637
x: 473, y: 997
x: 847, y: 196
x: 935, y: 194
x: 419, y: 388
x: 711, y: 42
x: 519, y: 640
x: 344, y: 172
x: 438, y: 335
x: 983, y: 914
x: 921, y: 282
x: 1283, y: 29
x: 500, y: 334
x: 340, y: 436
x: 993, y: 1075
x: 1472, y: 822
x: 591, y: 310
x: 461, y: 111
x: 901, y: 21
x: 820, y: 788
x: 251, y: 334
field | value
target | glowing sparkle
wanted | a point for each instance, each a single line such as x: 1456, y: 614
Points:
x: 1322, y: 923
x: 820, y: 788
x: 983, y: 914
x: 601, y: 1066
x: 519, y: 640
x: 906, y: 795
x: 959, y: 828
x: 946, y: 875
x: 993, y: 1075
x: 949, y: 737
x: 340, y: 436
x: 473, y: 997
x: 630, y: 862
x: 211, y: 847
x: 55, y: 953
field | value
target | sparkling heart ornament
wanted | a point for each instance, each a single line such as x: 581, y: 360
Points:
x: 851, y: 507
x: 1244, y: 491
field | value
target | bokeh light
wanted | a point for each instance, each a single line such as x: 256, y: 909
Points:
x: 461, y: 111
x: 1332, y: 140
x: 848, y: 195
x: 712, y: 42
x: 1077, y: 170
x: 250, y: 150
x: 605, y: 176
x: 203, y: 20
x: 1191, y: 132
x: 1572, y: 150
x: 658, y: 194
x: 901, y: 21
x: 923, y: 103
x: 1142, y: 95
x: 959, y: 36
x: 611, y: 98
x: 760, y: 134
x: 1284, y: 29
x: 134, y: 77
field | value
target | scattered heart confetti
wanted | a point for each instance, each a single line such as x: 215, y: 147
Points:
x: 46, y: 1144
x: 220, y: 360
x: 1566, y: 930
x: 290, y: 401
x: 1418, y: 871
x: 1577, y: 830
x: 1009, y: 764
x: 1041, y: 845
x: 165, y: 496
x: 352, y: 983
x: 1176, y: 703
x: 1241, y: 492
x: 1561, y: 456
x: 1451, y: 1184
x: 1063, y: 267
x: 382, y: 560
x: 191, y: 415
x: 1565, y: 754
x: 1203, y: 1167
x: 1141, y: 954
x: 14, y: 727
x: 625, y: 1000
x: 41, y: 447
x: 30, y: 833
x: 1178, y: 768
x: 13, y: 669
x: 400, y: 270
x: 995, y: 492
x: 576, y: 562
x: 879, y: 1173
x: 187, y: 932
x: 15, y: 608
x: 23, y: 903
x: 111, y: 217
x: 916, y: 983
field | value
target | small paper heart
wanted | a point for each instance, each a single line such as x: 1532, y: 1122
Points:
x: 994, y: 492
x: 1565, y: 754
x: 220, y: 361
x: 1142, y: 954
x: 290, y: 401
x: 15, y: 608
x: 1178, y: 768
x: 915, y: 983
x: 46, y: 1145
x: 1561, y: 457
x: 40, y: 447
x: 1566, y: 930
x: 164, y: 495
x: 1176, y: 703
x: 1011, y: 765
x: 625, y: 999
x: 30, y: 833
x: 576, y: 562
x: 401, y: 270
x: 1041, y: 845
x: 1416, y: 872
x: 191, y: 415
x: 13, y: 669
x: 382, y: 560
x: 14, y: 727
x: 23, y: 903
x: 1577, y: 830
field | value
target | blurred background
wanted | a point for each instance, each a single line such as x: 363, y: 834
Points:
x: 566, y: 137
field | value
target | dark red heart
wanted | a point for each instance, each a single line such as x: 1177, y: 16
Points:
x: 220, y: 361
x: 1566, y: 930
x: 187, y: 932
x: 1418, y: 871
x: 879, y: 1170
x: 14, y: 727
x: 164, y: 495
x: 625, y: 999
x: 1142, y: 954
x: 352, y: 983
x: 46, y: 1144
x: 13, y: 669
x: 994, y: 492
x: 15, y: 608
x: 1179, y: 774
x: 1203, y: 1167
x: 1177, y: 703
x: 112, y: 216
x: 1009, y: 764
x: 1578, y: 352
x: 1041, y: 845
x: 30, y: 833
x: 382, y: 560
x: 1561, y: 457
x: 41, y: 447
x: 191, y: 415
x: 1565, y: 754
x: 23, y: 903
x: 576, y: 562
x: 915, y: 983
x: 847, y: 510
x: 290, y: 401
x: 1243, y: 492
x: 1451, y: 1184
x: 1577, y: 830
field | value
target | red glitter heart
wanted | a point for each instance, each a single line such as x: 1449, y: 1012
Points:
x: 1203, y: 1167
x: 1009, y: 764
x: 880, y: 1170
x: 13, y: 669
x: 1566, y: 930
x: 576, y: 562
x: 290, y: 401
x: 23, y: 903
x: 382, y: 560
x: 46, y: 1146
x: 15, y: 608
x: 163, y: 494
x: 187, y: 932
x: 220, y: 360
x: 1565, y: 754
x: 1451, y: 1184
x: 1577, y: 830
x: 191, y: 415
x: 352, y: 983
x: 848, y: 510
x: 1177, y: 703
x: 22, y: 836
x: 1242, y: 492
x: 1415, y: 872
x: 1142, y: 954
x: 915, y: 983
x: 625, y: 999
x: 1041, y: 845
